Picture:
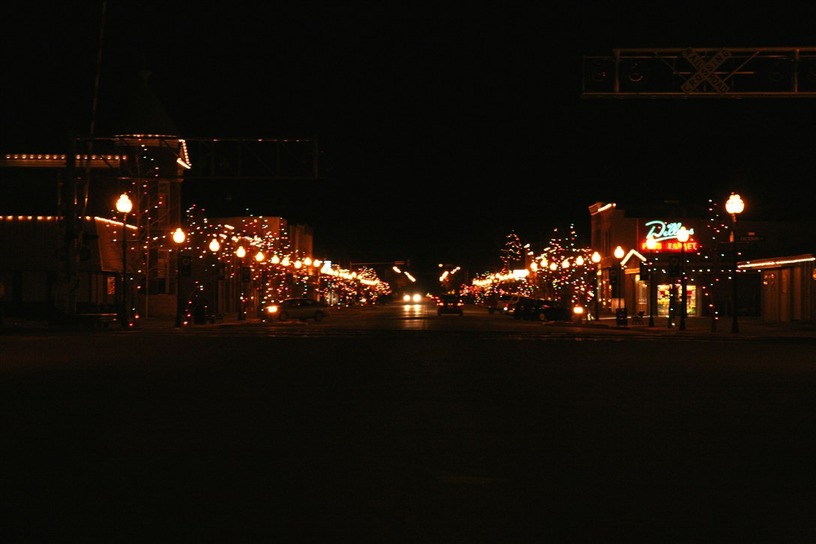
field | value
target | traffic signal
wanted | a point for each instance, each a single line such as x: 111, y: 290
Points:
x: 613, y: 276
x: 245, y: 273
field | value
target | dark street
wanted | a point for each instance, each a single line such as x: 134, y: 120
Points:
x: 447, y: 434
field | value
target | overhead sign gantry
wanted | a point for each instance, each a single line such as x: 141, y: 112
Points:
x: 724, y: 72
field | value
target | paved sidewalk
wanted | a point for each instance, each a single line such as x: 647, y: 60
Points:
x: 722, y: 327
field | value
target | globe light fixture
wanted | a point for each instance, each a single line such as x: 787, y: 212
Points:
x: 240, y: 252
x: 622, y: 276
x: 683, y: 237
x: 596, y: 258
x: 179, y: 237
x: 124, y: 206
x: 734, y: 206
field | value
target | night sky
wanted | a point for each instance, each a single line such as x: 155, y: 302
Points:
x: 443, y: 126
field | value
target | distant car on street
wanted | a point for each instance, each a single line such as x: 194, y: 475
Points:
x: 449, y: 304
x: 296, y: 308
x: 412, y: 298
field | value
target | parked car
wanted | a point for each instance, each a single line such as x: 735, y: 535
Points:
x: 296, y: 308
x: 501, y: 304
x: 449, y: 304
x: 537, y: 309
x: 510, y: 306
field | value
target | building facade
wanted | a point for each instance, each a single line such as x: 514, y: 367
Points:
x: 651, y: 280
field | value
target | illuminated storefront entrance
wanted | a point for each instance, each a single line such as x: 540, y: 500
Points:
x: 665, y: 298
x: 665, y: 269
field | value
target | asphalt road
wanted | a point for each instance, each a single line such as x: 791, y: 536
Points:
x: 425, y: 430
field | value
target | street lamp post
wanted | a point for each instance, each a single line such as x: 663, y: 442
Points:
x: 734, y: 206
x: 596, y: 258
x: 215, y: 247
x: 178, y: 237
x: 240, y: 253
x: 258, y: 291
x: 651, y: 244
x: 620, y: 314
x: 621, y: 288
x: 124, y: 206
x: 683, y: 237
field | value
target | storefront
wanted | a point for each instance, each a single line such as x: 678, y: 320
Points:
x: 650, y: 265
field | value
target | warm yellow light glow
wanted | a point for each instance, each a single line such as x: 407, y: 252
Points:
x: 260, y: 256
x: 179, y: 236
x: 682, y: 235
x: 240, y: 252
x: 619, y: 252
x: 651, y: 243
x: 734, y: 205
x: 780, y: 262
x: 275, y: 259
x: 596, y: 257
x: 124, y: 205
x: 579, y: 261
x: 215, y: 245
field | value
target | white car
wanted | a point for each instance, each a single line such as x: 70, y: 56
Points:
x: 296, y: 308
x: 503, y: 304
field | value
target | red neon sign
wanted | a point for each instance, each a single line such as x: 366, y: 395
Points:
x: 671, y: 246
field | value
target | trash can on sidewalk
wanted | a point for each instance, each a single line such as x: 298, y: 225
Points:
x: 620, y: 317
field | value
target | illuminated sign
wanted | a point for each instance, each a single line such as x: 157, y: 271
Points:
x: 676, y: 246
x: 665, y: 237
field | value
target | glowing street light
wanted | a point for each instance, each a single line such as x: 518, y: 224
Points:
x: 240, y: 253
x: 596, y: 258
x: 621, y: 288
x: 734, y: 206
x: 178, y: 237
x: 682, y: 237
x: 124, y: 206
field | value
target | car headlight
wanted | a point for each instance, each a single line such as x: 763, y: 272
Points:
x: 271, y: 309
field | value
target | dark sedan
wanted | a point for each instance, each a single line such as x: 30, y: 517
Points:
x: 449, y: 304
x: 538, y: 309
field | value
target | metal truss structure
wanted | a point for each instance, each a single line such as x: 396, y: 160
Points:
x: 728, y: 72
